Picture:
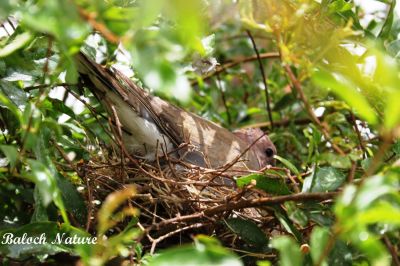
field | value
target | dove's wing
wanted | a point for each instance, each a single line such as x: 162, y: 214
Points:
x: 208, y: 144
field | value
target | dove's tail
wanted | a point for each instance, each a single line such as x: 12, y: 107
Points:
x: 112, y: 86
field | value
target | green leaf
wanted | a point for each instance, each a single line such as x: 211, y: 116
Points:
x: 287, y: 224
x: 325, y: 179
x: 16, y: 43
x: 263, y: 263
x: 45, y: 181
x: 392, y: 110
x: 335, y: 160
x: 340, y: 6
x: 248, y: 231
x: 206, y: 251
x: 288, y: 165
x: 318, y: 242
x: 269, y: 185
x: 74, y: 202
x: 396, y: 147
x: 296, y: 214
x: 71, y: 76
x: 58, y: 18
x: 289, y: 251
x: 11, y: 153
x: 347, y: 91
x: 340, y: 254
x: 47, y: 185
x: 382, y: 213
x: 40, y: 212
x: 7, y: 102
x: 387, y: 26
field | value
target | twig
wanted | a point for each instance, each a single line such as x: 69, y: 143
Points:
x: 281, y: 123
x: 360, y: 141
x: 235, y: 160
x: 242, y: 204
x: 48, y: 54
x: 392, y: 250
x: 29, y: 88
x: 224, y: 99
x: 378, y: 157
x: 352, y: 172
x: 291, y: 178
x: 119, y: 131
x: 100, y: 27
x: 314, y: 118
x: 93, y: 111
x: 161, y: 238
x: 237, y: 62
x: 269, y: 201
x: 38, y: 101
x: 63, y: 154
x: 90, y: 203
x: 262, y: 71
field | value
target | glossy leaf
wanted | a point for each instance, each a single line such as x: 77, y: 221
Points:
x: 289, y: 251
x: 325, y: 179
x: 269, y: 185
x: 319, y: 240
x: 248, y: 231
x: 347, y: 91
x: 204, y: 252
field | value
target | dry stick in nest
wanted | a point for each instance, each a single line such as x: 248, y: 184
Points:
x: 242, y: 204
x: 208, y: 213
x: 179, y: 230
x: 119, y: 131
x: 235, y: 160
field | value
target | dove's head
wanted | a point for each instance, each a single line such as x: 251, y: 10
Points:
x: 263, y: 147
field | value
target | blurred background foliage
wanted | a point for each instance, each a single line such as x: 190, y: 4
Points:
x: 324, y: 86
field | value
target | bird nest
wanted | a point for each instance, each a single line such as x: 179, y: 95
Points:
x: 177, y: 200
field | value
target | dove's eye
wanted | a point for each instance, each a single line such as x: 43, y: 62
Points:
x: 269, y: 152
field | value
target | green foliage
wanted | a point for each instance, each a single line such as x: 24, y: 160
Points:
x: 332, y: 60
x: 205, y: 251
x: 249, y: 232
x: 269, y: 185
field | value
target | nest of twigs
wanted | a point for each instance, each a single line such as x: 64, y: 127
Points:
x: 177, y: 200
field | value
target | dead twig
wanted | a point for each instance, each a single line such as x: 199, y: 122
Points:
x: 262, y: 71
x: 223, y: 68
x: 169, y: 234
x: 297, y: 85
x: 247, y: 203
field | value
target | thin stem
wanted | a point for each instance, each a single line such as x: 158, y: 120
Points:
x: 271, y: 55
x: 314, y: 118
x: 262, y: 71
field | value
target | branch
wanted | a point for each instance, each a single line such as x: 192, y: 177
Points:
x: 100, y: 27
x: 262, y: 71
x: 243, y: 204
x: 237, y: 62
x: 314, y: 118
